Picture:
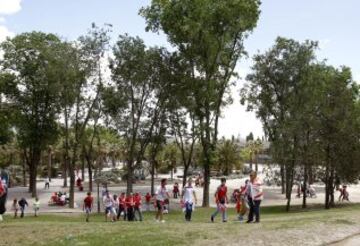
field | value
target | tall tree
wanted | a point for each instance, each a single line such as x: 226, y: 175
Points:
x: 30, y: 68
x: 210, y: 35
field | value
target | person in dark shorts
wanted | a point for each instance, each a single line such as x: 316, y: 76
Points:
x: 88, y: 205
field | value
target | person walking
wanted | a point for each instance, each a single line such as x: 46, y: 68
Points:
x: 36, y: 206
x: 47, y: 183
x: 88, y: 205
x: 255, y: 195
x: 109, y: 207
x: 161, y: 195
x: 188, y: 197
x: 221, y: 200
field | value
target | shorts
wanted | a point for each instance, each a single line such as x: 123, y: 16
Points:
x: 159, y: 205
x: 87, y: 210
x: 110, y: 210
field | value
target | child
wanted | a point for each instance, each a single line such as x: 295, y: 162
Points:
x: 176, y: 190
x: 221, y: 199
x: 22, y: 204
x: 36, y: 205
x: 187, y: 199
x: 160, y: 196
x: 88, y: 205
x: 242, y: 202
x: 129, y: 201
x: 109, y: 207
x: 15, y: 207
x: 116, y: 204
x: 147, y: 201
x: 122, y: 206
x: 137, y: 207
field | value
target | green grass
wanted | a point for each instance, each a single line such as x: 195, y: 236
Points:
x: 71, y: 229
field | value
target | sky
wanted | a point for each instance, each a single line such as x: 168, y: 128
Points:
x: 334, y: 23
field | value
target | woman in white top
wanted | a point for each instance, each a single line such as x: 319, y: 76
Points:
x: 161, y: 195
x: 188, y: 196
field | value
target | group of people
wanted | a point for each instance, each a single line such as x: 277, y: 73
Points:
x: 22, y: 204
x: 248, y: 200
x: 307, y: 189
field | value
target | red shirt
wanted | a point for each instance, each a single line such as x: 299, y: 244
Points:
x: 148, y: 198
x: 137, y: 201
x: 2, y: 190
x: 129, y: 201
x: 221, y: 192
x: 122, y: 202
x: 88, y: 201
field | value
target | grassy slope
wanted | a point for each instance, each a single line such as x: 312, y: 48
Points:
x: 313, y: 227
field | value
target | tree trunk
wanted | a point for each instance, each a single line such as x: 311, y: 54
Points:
x: 34, y: 162
x: 206, y: 185
x: 49, y: 166
x: 153, y: 162
x: 186, y: 168
x: 305, y: 185
x: 90, y: 175
x: 256, y: 162
x: 282, y: 173
x: 327, y: 177
x: 98, y: 197
x: 24, y: 170
x: 331, y: 187
x: 83, y: 168
x: 251, y: 161
x: 130, y: 177
x: 65, y: 168
x: 72, y: 184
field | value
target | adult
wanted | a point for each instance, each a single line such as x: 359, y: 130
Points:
x: 109, y: 204
x: 4, y: 180
x: 255, y: 195
x: 188, y: 196
x: 161, y: 195
x: 47, y: 183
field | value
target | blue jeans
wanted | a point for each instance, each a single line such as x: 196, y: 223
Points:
x: 188, y: 211
x: 218, y: 210
x: 254, y: 210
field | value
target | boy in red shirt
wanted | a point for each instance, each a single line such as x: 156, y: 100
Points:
x: 221, y: 201
x: 137, y: 207
x: 129, y: 201
x: 147, y: 201
x: 88, y: 204
x: 122, y: 206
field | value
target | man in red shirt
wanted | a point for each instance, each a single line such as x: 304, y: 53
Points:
x: 122, y: 206
x: 129, y: 201
x: 88, y: 204
x: 221, y: 200
x: 137, y: 207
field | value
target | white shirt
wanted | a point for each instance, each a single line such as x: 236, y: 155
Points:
x: 161, y: 193
x: 188, y: 194
x: 108, y: 201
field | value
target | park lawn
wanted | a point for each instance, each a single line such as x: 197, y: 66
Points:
x: 313, y: 226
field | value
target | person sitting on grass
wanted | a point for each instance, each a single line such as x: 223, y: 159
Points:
x: 188, y: 197
x: 88, y: 205
x: 22, y: 204
x: 137, y: 207
x: 221, y: 200
x: 36, y: 206
x: 15, y: 208
x: 161, y: 195
x: 109, y: 207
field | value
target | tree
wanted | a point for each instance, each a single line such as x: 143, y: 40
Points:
x: 228, y: 156
x: 30, y: 71
x: 209, y: 34
x: 274, y: 91
x: 135, y: 102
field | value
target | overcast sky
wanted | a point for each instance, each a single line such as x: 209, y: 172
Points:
x: 334, y: 23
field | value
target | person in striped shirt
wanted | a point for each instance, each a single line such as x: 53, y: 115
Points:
x: 255, y: 195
